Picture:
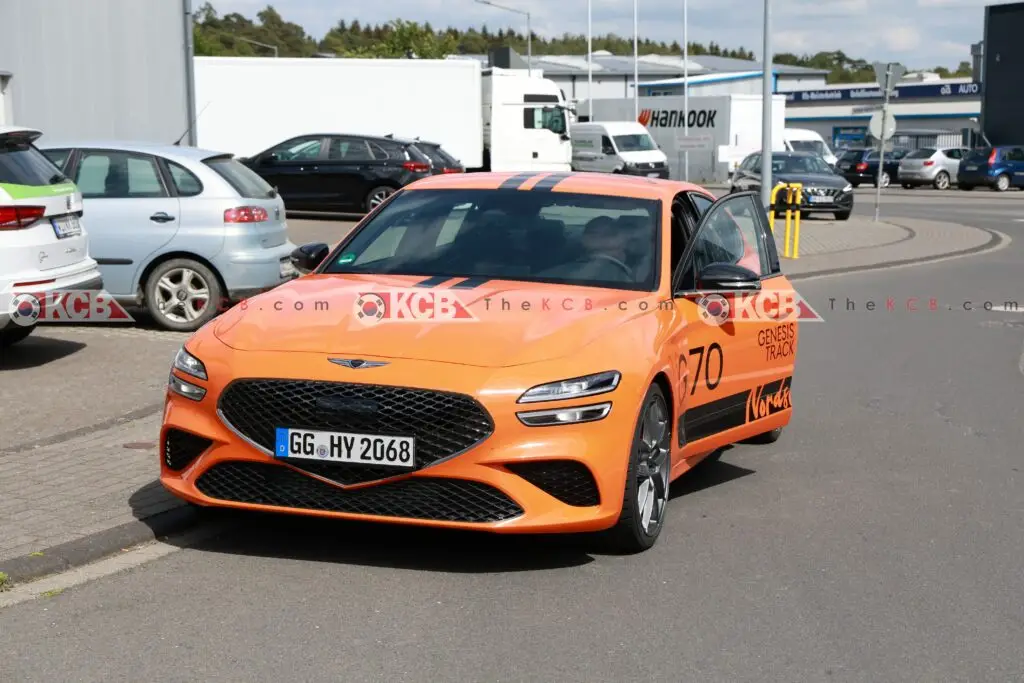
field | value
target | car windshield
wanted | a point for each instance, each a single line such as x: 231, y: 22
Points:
x: 925, y: 153
x: 980, y: 155
x: 814, y: 146
x: 641, y: 142
x: 799, y: 164
x: 552, y: 237
x: 852, y: 155
x: 23, y: 164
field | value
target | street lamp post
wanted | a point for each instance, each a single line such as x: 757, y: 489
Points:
x: 636, y: 60
x: 590, y: 61
x: 686, y: 87
x: 254, y: 42
x: 766, y: 110
x: 529, y: 30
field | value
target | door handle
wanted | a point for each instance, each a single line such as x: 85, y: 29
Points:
x: 161, y: 217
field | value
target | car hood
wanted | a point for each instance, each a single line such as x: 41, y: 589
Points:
x: 508, y: 323
x: 814, y: 179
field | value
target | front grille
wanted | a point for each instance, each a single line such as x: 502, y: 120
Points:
x: 442, y: 423
x: 448, y: 500
x: 181, y: 448
x: 821, y: 191
x: 567, y: 480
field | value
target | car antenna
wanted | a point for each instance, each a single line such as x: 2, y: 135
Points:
x: 177, y: 143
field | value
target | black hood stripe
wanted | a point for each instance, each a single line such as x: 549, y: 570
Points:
x: 471, y: 282
x: 548, y: 183
x: 434, y: 281
x: 517, y: 181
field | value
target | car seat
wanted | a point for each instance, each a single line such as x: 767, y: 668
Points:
x: 116, y: 184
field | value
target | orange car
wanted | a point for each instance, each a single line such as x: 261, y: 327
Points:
x: 536, y: 352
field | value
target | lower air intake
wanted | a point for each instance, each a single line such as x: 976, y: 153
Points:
x: 436, y: 499
x: 567, y: 480
x: 181, y: 448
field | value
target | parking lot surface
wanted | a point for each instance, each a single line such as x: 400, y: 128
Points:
x: 878, y: 540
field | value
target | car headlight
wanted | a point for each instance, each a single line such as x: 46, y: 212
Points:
x: 189, y: 364
x: 563, y: 416
x: 577, y: 387
x: 848, y: 188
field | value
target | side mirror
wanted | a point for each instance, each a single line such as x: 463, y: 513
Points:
x: 728, y: 277
x: 608, y: 151
x: 267, y: 158
x: 307, y: 257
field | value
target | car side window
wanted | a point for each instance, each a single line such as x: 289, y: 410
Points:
x: 118, y: 175
x: 952, y: 153
x: 731, y: 232
x: 185, y: 182
x: 59, y: 157
x: 606, y: 145
x: 349, y: 149
x: 299, y: 149
x: 1016, y: 154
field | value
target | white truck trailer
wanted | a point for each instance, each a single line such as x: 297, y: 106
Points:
x: 486, y: 118
x: 723, y: 129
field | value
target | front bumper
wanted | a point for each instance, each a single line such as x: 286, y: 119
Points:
x: 647, y: 172
x: 517, y: 479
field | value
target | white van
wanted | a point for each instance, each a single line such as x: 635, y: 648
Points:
x: 617, y: 147
x: 803, y: 140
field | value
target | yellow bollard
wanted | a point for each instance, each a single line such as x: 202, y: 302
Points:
x: 798, y: 190
x: 772, y: 204
x: 789, y: 201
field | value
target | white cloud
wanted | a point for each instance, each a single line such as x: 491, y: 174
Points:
x: 869, y: 29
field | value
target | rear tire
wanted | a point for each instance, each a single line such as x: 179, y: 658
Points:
x: 766, y: 438
x: 11, y: 334
x: 883, y: 181
x: 941, y: 181
x: 645, y: 495
x: 376, y: 196
x: 843, y: 215
x: 174, y: 292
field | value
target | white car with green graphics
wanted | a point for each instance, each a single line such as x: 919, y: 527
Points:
x: 43, y: 246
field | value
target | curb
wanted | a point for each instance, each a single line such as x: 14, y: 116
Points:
x: 995, y: 240
x: 89, y: 549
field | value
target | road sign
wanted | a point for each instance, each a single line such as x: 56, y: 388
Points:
x: 694, y: 142
x: 896, y: 72
x: 882, y: 125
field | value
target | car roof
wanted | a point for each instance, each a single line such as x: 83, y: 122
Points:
x: 177, y: 152
x: 636, y: 187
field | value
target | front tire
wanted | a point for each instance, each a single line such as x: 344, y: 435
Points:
x: 1002, y: 183
x: 843, y: 215
x: 645, y: 495
x: 766, y: 438
x: 11, y: 334
x: 883, y: 181
x: 182, y: 295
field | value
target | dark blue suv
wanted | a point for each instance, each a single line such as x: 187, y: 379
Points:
x: 997, y: 167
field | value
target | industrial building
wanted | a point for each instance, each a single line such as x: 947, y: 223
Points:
x: 115, y: 69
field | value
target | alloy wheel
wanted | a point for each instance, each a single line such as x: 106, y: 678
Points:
x: 182, y: 295
x: 942, y: 181
x: 653, y: 467
x: 378, y: 197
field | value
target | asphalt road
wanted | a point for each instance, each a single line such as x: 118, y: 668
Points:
x: 878, y: 540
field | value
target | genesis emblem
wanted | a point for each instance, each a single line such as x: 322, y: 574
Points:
x: 357, y: 363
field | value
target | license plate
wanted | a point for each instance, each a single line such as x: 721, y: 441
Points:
x: 818, y: 200
x: 972, y: 168
x: 288, y: 269
x: 844, y: 166
x: 66, y: 226
x: 653, y: 175
x: 358, y: 449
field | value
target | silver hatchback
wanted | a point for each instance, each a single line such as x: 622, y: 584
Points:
x: 933, y: 166
x: 184, y: 232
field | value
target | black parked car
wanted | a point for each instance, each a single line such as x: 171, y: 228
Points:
x: 440, y: 160
x: 344, y: 173
x: 860, y: 165
x: 824, y: 190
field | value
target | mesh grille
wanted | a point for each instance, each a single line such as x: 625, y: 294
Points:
x: 181, y: 448
x: 567, y: 480
x: 450, y: 500
x: 443, y: 424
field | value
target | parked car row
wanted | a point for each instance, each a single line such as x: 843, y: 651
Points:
x: 347, y: 173
x: 999, y: 168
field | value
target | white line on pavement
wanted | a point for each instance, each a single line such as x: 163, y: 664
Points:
x: 51, y: 586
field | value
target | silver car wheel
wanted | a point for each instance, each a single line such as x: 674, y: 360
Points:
x: 942, y: 181
x: 378, y: 197
x: 653, y: 467
x: 182, y: 295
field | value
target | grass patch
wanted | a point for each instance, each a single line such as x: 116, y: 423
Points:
x: 5, y: 581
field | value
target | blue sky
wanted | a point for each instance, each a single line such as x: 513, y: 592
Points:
x: 920, y: 33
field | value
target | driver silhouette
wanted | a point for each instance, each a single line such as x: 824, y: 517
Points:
x: 607, y: 248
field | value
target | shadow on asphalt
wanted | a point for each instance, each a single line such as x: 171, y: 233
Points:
x: 36, y: 350
x: 416, y: 548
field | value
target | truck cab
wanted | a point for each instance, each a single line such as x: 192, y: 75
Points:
x: 526, y: 123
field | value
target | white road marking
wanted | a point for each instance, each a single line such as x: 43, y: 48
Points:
x: 51, y: 586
